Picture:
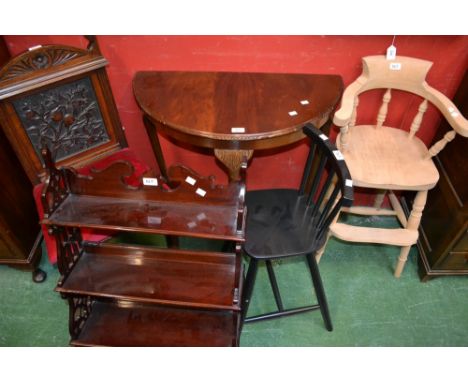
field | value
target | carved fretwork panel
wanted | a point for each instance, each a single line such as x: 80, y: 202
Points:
x: 80, y: 309
x: 66, y: 118
x: 69, y: 248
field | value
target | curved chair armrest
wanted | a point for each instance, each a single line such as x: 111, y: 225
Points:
x: 372, y: 78
x: 451, y: 113
x: 343, y: 114
x: 410, y: 77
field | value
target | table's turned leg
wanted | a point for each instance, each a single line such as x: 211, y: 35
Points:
x: 153, y: 137
x: 232, y: 159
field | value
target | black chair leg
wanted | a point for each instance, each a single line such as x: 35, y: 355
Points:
x: 319, y: 291
x: 248, y: 286
x: 274, y: 285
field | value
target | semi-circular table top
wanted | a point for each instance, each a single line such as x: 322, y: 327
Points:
x: 227, y: 110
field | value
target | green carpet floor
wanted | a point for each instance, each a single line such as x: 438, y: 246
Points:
x: 369, y: 307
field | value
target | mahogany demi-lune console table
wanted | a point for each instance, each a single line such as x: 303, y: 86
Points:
x: 233, y: 113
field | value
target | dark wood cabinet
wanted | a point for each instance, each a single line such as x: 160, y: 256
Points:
x: 134, y: 295
x: 443, y: 243
x: 59, y: 96
x: 19, y: 227
x: 19, y: 224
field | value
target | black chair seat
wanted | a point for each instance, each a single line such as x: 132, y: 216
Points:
x: 279, y: 224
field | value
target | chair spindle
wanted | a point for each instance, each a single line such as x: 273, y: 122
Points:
x: 344, y: 138
x: 317, y: 177
x: 418, y: 119
x: 308, y: 167
x: 354, y: 114
x: 345, y: 129
x: 325, y: 216
x: 438, y: 146
x: 324, y: 191
x: 384, y: 108
x: 332, y: 216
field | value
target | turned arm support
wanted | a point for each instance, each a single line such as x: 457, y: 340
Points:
x: 453, y: 116
x: 344, y: 114
x: 451, y: 113
x: 345, y: 117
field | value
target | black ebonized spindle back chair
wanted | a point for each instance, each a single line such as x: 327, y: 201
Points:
x: 289, y: 222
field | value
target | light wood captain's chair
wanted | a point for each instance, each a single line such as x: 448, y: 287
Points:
x: 385, y: 158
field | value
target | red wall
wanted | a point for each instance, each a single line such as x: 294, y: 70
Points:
x: 295, y: 54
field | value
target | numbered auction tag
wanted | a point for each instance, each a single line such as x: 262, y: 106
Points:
x: 201, y: 216
x: 150, y: 181
x: 201, y: 192
x: 391, y: 52
x: 292, y: 113
x: 191, y: 224
x: 324, y: 137
x: 349, y: 182
x: 154, y: 220
x: 395, y: 66
x: 190, y: 180
x: 338, y: 155
x: 304, y: 102
x: 237, y: 130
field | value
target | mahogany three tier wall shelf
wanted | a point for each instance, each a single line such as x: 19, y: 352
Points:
x: 134, y: 295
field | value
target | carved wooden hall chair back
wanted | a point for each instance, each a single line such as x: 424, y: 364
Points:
x: 385, y: 158
x: 59, y: 96
x: 284, y: 223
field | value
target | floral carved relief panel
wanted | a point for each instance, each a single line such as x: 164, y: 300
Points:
x: 66, y: 118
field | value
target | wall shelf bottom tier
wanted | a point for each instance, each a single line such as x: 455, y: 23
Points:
x: 133, y: 324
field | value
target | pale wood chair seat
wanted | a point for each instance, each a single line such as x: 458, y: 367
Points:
x: 388, y: 158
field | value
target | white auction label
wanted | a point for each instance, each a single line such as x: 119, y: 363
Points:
x: 324, y: 137
x: 190, y: 180
x: 338, y: 154
x: 150, y: 181
x: 292, y: 113
x: 201, y: 216
x: 154, y: 220
x: 191, y: 224
x: 237, y: 130
x: 391, y: 52
x: 201, y: 192
x: 304, y: 102
x: 395, y: 66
